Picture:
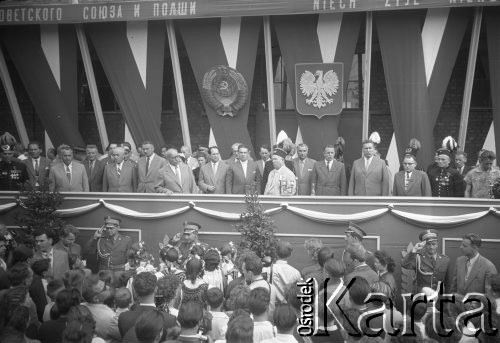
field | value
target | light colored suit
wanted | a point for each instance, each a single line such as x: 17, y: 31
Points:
x: 126, y: 182
x: 238, y: 183
x: 371, y: 182
x: 59, y: 264
x: 207, y: 178
x: 168, y: 181
x: 418, y: 185
x: 304, y: 178
x: 281, y: 182
x: 331, y: 182
x: 95, y: 179
x: 479, y: 275
x: 148, y: 181
x: 59, y: 180
x: 43, y: 172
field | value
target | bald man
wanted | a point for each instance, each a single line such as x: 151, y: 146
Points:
x: 175, y: 177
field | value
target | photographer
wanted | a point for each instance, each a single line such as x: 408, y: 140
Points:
x: 111, y: 247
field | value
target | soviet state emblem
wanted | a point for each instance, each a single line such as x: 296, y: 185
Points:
x: 225, y: 90
x: 319, y: 88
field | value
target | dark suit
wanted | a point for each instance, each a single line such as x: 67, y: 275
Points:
x: 363, y: 271
x: 95, y: 178
x: 465, y: 170
x: 304, y: 177
x: 170, y: 181
x: 126, y: 182
x: 261, y: 164
x: 371, y: 182
x: 43, y: 172
x: 126, y: 320
x: 238, y: 183
x: 207, y: 178
x: 418, y: 184
x: 147, y: 182
x: 430, y: 271
x: 329, y: 182
x: 481, y: 270
x: 60, y: 262
x: 59, y: 180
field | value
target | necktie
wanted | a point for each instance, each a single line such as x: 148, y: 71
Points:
x: 91, y: 167
x: 214, y: 168
x: 36, y: 167
x: 407, y: 180
x: 68, y: 174
x: 302, y: 168
x: 467, y: 268
x: 178, y: 172
x: 119, y: 170
x: 147, y: 165
x: 328, y: 165
x: 367, y: 163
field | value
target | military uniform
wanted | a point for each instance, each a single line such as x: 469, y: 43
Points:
x: 446, y: 182
x: 13, y: 174
x: 185, y: 246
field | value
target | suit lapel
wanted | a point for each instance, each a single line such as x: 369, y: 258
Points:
x: 475, y: 268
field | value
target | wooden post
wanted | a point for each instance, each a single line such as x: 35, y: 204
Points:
x: 94, y: 94
x: 367, y: 74
x: 270, y: 79
x: 469, y: 78
x: 179, y: 89
x: 11, y: 97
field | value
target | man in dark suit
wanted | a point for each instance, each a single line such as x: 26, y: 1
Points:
x: 472, y: 271
x: 460, y: 161
x: 59, y: 259
x: 243, y: 176
x: 69, y: 176
x: 212, y: 178
x: 430, y: 266
x: 369, y: 175
x: 119, y: 176
x: 67, y: 237
x: 94, y: 168
x: 175, y: 176
x: 355, y: 255
x: 149, y: 168
x: 37, y: 166
x: 303, y: 166
x: 265, y: 155
x: 144, y: 285
x: 410, y: 181
x: 328, y: 176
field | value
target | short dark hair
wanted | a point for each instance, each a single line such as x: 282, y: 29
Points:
x: 35, y: 143
x: 167, y: 287
x: 22, y: 253
x: 357, y: 252
x: 385, y: 259
x: 67, y: 229
x: 284, y: 249
x: 40, y: 266
x: 214, y: 297
x: 64, y: 301
x: 147, y: 142
x: 324, y: 254
x: 238, y: 298
x: 53, y: 286
x: 212, y: 148
x: 40, y: 232
x: 243, y: 146
x: 148, y: 326
x: 91, y: 146
x: 169, y: 254
x: 334, y: 268
x: 18, y: 273
x: 253, y: 264
x: 284, y: 317
x: 144, y: 284
x: 240, y: 329
x: 265, y: 146
x: 359, y: 290
x: 19, y: 318
x: 259, y: 300
x: 190, y: 314
x: 487, y: 155
x: 474, y: 239
x: 291, y: 296
x: 194, y: 267
x: 123, y: 297
x: 212, y: 259
x: 88, y: 291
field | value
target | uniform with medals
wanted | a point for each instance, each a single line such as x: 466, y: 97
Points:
x: 430, y: 269
x: 188, y: 241
x: 445, y: 182
x: 111, y: 249
x: 13, y: 172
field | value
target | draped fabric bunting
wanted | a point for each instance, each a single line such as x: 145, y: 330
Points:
x: 320, y: 217
x: 135, y: 76
x: 415, y: 101
x: 300, y: 42
x: 493, y: 34
x: 202, y: 39
x: 45, y: 59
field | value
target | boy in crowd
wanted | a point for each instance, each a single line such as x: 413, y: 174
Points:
x: 259, y: 307
x: 215, y: 298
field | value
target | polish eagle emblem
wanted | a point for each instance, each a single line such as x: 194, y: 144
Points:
x: 318, y: 88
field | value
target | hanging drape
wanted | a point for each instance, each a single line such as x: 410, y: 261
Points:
x: 493, y: 35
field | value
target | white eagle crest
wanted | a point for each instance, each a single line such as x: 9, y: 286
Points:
x: 318, y: 90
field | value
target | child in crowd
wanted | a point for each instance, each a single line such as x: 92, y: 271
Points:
x: 215, y: 299
x: 213, y: 274
x: 123, y: 299
x: 53, y: 288
x: 259, y: 307
x: 285, y: 320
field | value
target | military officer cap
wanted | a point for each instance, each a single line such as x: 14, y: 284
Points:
x: 428, y: 235
x: 279, y: 152
x: 443, y: 151
x: 111, y: 221
x: 411, y: 151
x: 354, y: 230
x: 191, y: 227
x: 7, y: 148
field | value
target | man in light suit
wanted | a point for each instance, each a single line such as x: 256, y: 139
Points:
x: 328, y: 176
x: 281, y: 180
x: 369, y: 175
x: 59, y: 259
x: 69, y: 176
x: 472, y: 271
x: 243, y: 176
x: 411, y: 182
x: 119, y: 176
x: 303, y: 167
x: 211, y: 182
x: 94, y: 168
x: 148, y: 168
x: 265, y: 154
x: 38, y: 167
x: 175, y: 177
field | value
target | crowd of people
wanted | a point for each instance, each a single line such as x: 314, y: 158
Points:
x: 198, y: 293
x: 283, y: 170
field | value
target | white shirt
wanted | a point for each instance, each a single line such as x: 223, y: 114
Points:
x: 283, y: 276
x: 281, y: 338
x: 368, y: 161
x: 244, y: 166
